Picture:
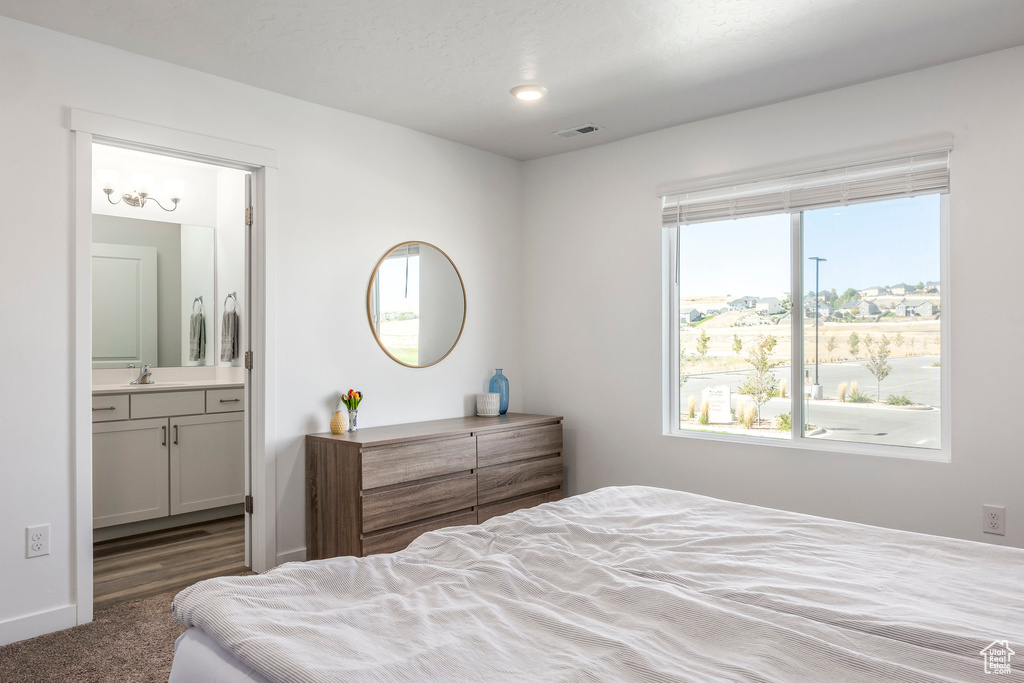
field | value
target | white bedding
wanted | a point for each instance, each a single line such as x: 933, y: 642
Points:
x: 634, y: 584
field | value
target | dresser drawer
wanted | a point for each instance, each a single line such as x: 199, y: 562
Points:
x: 393, y: 540
x: 168, y: 404
x: 485, y: 512
x: 420, y: 460
x: 518, y: 444
x: 518, y: 479
x: 403, y: 504
x: 109, y: 408
x: 225, y: 400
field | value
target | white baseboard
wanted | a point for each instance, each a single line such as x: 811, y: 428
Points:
x: 297, y: 555
x: 32, y: 625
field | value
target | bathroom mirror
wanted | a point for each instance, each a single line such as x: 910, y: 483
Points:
x: 148, y: 279
x: 417, y: 304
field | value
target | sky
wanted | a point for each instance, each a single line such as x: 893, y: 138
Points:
x: 880, y: 243
x: 393, y: 285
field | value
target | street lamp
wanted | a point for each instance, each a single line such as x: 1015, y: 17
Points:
x: 816, y: 389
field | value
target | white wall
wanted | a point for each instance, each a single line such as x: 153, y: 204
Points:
x: 198, y: 255
x: 230, y: 258
x: 593, y: 282
x: 344, y: 181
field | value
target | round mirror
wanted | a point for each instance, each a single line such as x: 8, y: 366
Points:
x: 417, y: 304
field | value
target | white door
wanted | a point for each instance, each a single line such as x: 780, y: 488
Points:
x: 124, y: 305
x: 247, y: 324
x: 129, y: 471
x: 207, y: 461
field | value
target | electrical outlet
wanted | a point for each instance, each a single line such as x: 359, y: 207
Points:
x: 37, y: 540
x: 995, y: 520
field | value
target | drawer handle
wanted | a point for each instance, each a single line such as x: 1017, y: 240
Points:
x: 230, y: 400
x: 175, y: 435
x: 164, y: 441
x: 107, y: 408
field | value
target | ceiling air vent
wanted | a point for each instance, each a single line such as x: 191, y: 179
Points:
x: 577, y: 131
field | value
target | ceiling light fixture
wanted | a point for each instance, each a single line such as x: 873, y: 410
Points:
x: 529, y: 93
x: 143, y: 182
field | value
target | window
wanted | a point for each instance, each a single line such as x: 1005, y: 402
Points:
x: 811, y: 307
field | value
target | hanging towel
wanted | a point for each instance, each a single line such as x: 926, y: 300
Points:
x: 197, y: 337
x: 229, y: 336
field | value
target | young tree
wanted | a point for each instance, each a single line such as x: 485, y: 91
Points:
x: 737, y: 344
x: 849, y: 295
x: 899, y: 340
x: 854, y: 344
x: 702, y: 344
x: 868, y: 341
x: 878, y: 364
x: 831, y: 345
x: 761, y: 383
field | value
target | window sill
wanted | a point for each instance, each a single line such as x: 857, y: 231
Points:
x: 824, y: 446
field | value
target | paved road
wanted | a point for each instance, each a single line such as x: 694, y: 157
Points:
x: 915, y: 377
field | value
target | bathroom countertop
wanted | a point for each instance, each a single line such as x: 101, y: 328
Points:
x: 106, y: 389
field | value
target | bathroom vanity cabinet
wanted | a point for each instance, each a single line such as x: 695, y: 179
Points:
x: 160, y: 453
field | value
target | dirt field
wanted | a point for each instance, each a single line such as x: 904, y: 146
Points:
x: 919, y: 337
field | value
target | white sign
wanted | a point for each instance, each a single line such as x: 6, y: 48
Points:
x: 719, y: 403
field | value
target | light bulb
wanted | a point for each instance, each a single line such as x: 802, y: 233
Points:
x: 108, y: 178
x: 143, y: 182
x: 175, y: 189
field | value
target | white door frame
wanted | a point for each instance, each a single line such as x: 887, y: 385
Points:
x: 88, y: 127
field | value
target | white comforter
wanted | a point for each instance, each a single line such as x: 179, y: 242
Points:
x: 630, y: 584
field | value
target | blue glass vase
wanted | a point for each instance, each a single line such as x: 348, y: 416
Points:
x: 499, y: 385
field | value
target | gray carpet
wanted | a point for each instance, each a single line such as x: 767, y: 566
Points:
x: 131, y: 642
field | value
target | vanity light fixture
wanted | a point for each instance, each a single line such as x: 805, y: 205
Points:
x: 143, y: 183
x: 529, y: 93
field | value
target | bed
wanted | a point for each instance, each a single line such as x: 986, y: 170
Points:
x: 620, y: 584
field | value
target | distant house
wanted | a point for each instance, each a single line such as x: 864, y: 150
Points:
x: 931, y: 287
x: 690, y: 316
x: 769, y: 306
x: 742, y: 303
x: 911, y: 308
x: 824, y: 309
x: 867, y: 308
x: 873, y: 291
x: 851, y: 307
x: 902, y: 289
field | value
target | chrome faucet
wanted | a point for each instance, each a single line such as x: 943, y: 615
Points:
x: 145, y: 376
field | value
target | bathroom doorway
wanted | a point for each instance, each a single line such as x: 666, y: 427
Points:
x: 177, y: 412
x: 169, y: 325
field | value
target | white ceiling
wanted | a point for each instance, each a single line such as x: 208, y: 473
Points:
x: 631, y: 66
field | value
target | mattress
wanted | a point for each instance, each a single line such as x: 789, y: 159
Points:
x: 198, y: 659
x: 625, y: 584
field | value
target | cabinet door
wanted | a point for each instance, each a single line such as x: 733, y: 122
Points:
x: 207, y: 461
x: 129, y: 471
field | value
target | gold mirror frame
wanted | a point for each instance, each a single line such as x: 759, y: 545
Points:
x: 369, y: 298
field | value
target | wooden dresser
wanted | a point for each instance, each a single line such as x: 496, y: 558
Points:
x: 377, y: 489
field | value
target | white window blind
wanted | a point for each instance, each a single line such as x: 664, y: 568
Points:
x: 905, y: 176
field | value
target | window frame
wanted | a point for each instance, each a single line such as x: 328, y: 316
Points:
x: 797, y: 440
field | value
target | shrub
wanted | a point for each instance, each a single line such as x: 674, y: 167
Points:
x: 842, y: 392
x: 692, y: 406
x: 783, y: 386
x: 857, y: 397
x: 705, y: 413
x: 854, y: 387
x: 748, y: 415
x: 898, y: 400
x: 786, y: 422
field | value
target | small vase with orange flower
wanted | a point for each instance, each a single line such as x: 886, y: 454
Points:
x: 351, y: 401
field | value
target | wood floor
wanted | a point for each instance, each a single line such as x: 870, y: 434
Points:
x: 140, y: 566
